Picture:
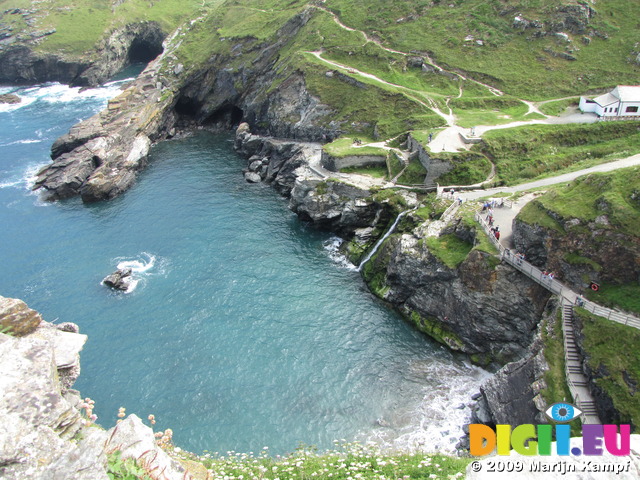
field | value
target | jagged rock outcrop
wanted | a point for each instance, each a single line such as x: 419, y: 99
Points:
x: 99, y: 158
x: 38, y: 412
x: 567, y: 18
x: 17, y: 318
x: 44, y: 433
x: 10, y: 98
x: 136, y: 440
x: 483, y: 308
x: 119, y: 280
x: 334, y: 206
x: 295, y: 170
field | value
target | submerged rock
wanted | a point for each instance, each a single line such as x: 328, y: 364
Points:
x: 119, y: 280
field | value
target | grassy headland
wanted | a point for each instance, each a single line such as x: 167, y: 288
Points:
x: 615, y: 194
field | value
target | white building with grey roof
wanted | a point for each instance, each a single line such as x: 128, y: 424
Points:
x: 623, y: 102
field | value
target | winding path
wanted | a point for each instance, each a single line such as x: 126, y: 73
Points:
x: 410, y: 93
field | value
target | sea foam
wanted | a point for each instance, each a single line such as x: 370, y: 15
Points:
x: 332, y: 246
x: 142, y: 266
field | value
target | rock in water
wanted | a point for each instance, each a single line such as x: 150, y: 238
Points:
x: 119, y: 279
x: 10, y: 98
x: 252, y: 177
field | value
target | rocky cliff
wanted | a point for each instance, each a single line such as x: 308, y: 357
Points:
x: 24, y: 62
x: 584, y: 233
x: 483, y: 308
x: 47, y: 431
x: 512, y: 396
x: 100, y: 157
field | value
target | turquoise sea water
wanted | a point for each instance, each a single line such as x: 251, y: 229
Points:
x: 243, y: 330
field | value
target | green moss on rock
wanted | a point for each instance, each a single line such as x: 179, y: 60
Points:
x: 436, y: 330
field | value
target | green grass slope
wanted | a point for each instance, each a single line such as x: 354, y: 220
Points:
x: 610, y: 349
x: 519, y: 60
x: 527, y: 153
x: 418, y: 55
x: 80, y: 24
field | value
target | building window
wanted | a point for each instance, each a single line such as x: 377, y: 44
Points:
x: 631, y: 110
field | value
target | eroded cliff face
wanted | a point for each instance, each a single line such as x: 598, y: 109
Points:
x: 100, y: 157
x: 512, y: 396
x: 45, y: 432
x: 579, y: 251
x: 23, y: 63
x: 483, y: 308
x: 245, y: 85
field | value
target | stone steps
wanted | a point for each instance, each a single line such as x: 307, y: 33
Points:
x: 573, y: 367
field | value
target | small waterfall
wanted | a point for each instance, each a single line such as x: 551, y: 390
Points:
x: 384, y: 237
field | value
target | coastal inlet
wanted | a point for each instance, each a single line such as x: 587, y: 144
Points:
x: 243, y: 332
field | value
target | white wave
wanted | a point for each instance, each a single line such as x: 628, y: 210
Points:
x: 10, y: 183
x: 435, y: 424
x: 55, y: 92
x: 21, y: 142
x: 66, y: 94
x: 26, y: 180
x: 139, y: 266
x: 332, y: 246
x: 142, y: 267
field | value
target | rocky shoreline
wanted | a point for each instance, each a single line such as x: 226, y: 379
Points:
x: 48, y: 431
x: 488, y: 311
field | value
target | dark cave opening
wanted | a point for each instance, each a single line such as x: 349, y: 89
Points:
x: 187, y: 107
x: 143, y: 50
x: 227, y: 115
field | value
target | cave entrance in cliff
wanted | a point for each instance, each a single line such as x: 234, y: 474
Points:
x: 143, y: 50
x: 227, y: 116
x: 187, y: 107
